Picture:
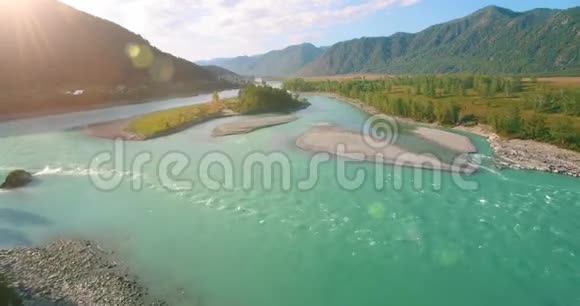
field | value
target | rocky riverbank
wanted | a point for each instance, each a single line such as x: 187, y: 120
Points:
x: 529, y: 154
x: 71, y: 272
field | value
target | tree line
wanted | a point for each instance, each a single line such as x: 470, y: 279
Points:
x: 433, y: 86
x: 515, y: 107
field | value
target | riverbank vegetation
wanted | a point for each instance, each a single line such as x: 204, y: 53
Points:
x: 159, y: 123
x: 514, y: 106
x: 8, y: 296
x: 251, y: 100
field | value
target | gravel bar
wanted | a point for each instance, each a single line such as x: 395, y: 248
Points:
x: 71, y: 272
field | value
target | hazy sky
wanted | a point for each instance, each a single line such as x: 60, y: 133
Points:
x: 203, y: 29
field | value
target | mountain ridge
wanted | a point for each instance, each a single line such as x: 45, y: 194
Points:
x: 491, y: 40
x: 51, y: 43
x: 53, y: 50
x: 285, y: 61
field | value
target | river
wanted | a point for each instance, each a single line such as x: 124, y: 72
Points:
x: 513, y: 240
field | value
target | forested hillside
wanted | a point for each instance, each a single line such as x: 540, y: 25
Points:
x: 49, y: 48
x: 227, y: 75
x: 492, y: 40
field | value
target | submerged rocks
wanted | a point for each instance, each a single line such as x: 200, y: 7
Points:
x: 17, y: 179
x: 248, y: 125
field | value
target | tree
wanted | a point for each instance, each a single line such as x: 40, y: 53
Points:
x: 508, y: 88
x: 429, y: 113
x: 535, y: 128
x: 8, y: 296
x: 260, y: 99
x: 484, y: 90
x: 215, y: 97
x: 455, y: 110
x: 399, y: 108
x: 460, y: 90
x: 513, y: 124
x: 493, y: 87
x: 418, y: 89
x: 562, y: 130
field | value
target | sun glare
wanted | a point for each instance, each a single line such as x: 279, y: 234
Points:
x: 16, y: 5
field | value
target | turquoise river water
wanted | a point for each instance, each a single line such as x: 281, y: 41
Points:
x: 514, y: 240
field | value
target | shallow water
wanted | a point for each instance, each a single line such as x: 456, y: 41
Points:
x: 512, y: 241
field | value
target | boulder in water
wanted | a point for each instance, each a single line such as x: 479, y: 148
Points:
x: 16, y: 179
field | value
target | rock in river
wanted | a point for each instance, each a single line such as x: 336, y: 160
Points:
x: 16, y: 179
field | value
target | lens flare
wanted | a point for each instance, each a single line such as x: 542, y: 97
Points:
x: 133, y: 50
x: 377, y: 210
x: 162, y: 69
x: 141, y: 55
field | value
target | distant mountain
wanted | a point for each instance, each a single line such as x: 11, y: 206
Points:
x: 46, y: 43
x: 492, y: 40
x: 230, y: 76
x: 275, y: 63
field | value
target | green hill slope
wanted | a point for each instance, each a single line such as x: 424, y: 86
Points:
x: 491, y: 40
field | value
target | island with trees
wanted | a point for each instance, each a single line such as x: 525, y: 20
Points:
x: 251, y: 100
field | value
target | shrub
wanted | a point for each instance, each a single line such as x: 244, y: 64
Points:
x: 262, y: 99
x: 8, y: 296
